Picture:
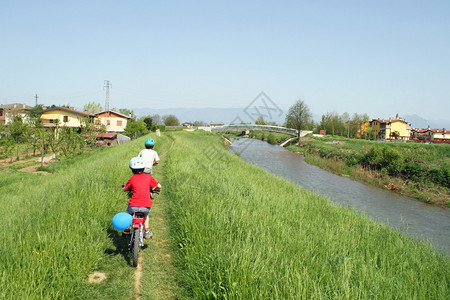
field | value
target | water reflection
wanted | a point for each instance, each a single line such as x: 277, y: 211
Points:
x: 406, y: 214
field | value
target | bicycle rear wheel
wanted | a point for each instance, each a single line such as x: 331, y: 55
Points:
x: 136, y: 246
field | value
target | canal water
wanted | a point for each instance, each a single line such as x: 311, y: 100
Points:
x: 422, y: 221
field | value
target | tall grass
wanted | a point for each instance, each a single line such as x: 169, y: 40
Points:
x: 242, y: 233
x: 54, y: 227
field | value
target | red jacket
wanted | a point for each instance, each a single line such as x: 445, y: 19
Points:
x: 140, y: 185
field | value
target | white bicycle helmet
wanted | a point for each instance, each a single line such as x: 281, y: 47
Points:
x: 137, y: 163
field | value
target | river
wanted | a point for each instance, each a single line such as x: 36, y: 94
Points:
x: 410, y: 216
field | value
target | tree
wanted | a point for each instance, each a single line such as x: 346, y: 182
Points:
x: 395, y: 134
x: 92, y: 107
x: 298, y: 116
x: 34, y: 116
x: 260, y: 121
x: 156, y: 119
x: 199, y: 123
x: 18, y: 130
x: 135, y: 129
x: 148, y: 122
x: 126, y: 112
x: 171, y: 120
x: 336, y: 124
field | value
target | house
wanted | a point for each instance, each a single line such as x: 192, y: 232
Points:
x: 113, y: 121
x: 187, y: 124
x: 213, y: 124
x: 63, y: 116
x: 431, y: 135
x: 418, y: 134
x: 396, y: 129
x: 437, y: 135
x: 9, y: 111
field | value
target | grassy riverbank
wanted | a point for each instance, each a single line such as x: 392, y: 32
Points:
x: 223, y: 228
x: 56, y: 228
x: 417, y: 170
x: 420, y: 171
x: 242, y: 233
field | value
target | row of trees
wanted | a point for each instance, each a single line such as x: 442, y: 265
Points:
x: 26, y: 136
x: 299, y: 117
x: 145, y: 124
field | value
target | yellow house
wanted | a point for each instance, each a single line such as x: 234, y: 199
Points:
x: 63, y: 116
x: 396, y: 129
x: 113, y: 121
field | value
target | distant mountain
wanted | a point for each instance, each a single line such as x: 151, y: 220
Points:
x: 207, y: 115
x: 419, y: 122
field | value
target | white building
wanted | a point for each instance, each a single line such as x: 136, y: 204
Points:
x: 113, y: 121
x: 9, y: 111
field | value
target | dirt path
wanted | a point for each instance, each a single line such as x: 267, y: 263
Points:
x: 138, y: 278
x: 154, y: 277
x: 32, y: 169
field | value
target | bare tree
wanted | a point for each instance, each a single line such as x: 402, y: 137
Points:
x: 156, y: 119
x: 298, y: 116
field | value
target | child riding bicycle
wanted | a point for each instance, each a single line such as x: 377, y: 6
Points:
x: 149, y: 155
x: 140, y: 184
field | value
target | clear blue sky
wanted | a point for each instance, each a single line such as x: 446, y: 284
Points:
x: 375, y: 57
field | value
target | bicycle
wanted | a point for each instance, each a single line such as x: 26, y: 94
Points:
x: 137, y: 233
x: 137, y: 236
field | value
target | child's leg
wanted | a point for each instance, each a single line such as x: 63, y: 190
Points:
x: 147, y: 233
x: 146, y: 223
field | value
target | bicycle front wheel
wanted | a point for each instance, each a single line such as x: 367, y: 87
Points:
x: 136, y: 246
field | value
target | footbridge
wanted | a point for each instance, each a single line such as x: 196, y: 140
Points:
x: 249, y: 127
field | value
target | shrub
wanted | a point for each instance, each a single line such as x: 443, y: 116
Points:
x: 379, y: 158
x: 415, y: 171
x: 353, y: 160
x: 161, y: 127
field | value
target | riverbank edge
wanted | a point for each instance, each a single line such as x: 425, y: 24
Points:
x: 420, y: 192
x: 435, y: 195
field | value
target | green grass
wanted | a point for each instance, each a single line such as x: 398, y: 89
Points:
x: 223, y: 229
x: 241, y: 233
x: 56, y: 228
x: 273, y: 138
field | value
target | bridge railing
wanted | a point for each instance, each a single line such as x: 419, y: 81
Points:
x: 243, y: 127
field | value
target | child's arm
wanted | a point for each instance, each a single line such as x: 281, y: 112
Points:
x: 127, y: 187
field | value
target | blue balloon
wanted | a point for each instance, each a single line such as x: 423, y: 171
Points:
x: 122, y: 221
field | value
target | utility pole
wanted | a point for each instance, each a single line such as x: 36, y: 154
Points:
x: 107, y: 86
x: 36, y: 96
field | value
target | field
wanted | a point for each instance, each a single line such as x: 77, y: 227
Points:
x: 223, y: 229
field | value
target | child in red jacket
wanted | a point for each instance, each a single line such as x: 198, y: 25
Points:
x: 140, y: 184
